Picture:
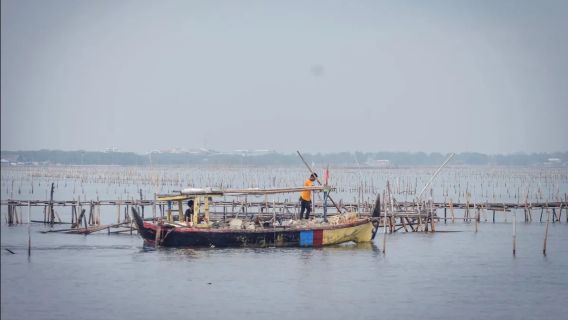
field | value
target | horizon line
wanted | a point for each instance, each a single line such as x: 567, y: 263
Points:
x: 271, y: 151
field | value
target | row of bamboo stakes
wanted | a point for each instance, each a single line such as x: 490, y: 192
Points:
x: 360, y: 206
x: 407, y: 216
x: 495, y: 190
x: 485, y: 184
x: 411, y: 216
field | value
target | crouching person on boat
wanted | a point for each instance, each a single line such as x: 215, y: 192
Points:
x: 189, y: 212
x: 306, y: 197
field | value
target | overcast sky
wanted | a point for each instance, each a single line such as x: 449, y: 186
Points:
x: 316, y: 76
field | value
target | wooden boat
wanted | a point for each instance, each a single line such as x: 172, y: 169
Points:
x: 234, y: 232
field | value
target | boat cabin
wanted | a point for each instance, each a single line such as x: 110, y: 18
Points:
x: 200, y: 211
x: 201, y: 200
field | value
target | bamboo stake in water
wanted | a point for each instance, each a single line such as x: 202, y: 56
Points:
x: 452, y: 211
x: 29, y: 230
x: 385, y: 229
x: 514, y: 232
x: 546, y: 231
x: 385, y: 232
x: 476, y: 217
x: 154, y: 208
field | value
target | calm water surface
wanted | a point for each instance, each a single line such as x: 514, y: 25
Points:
x: 445, y: 275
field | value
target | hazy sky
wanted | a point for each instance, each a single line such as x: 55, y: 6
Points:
x: 317, y: 76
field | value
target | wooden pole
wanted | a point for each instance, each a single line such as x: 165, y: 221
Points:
x: 476, y: 218
x: 514, y: 232
x: 29, y: 229
x: 385, y: 231
x: 97, y: 214
x: 403, y: 224
x: 427, y: 217
x: 10, y: 217
x: 142, y: 205
x: 72, y: 214
x: 452, y: 211
x: 546, y: 231
x: 84, y: 218
x: 51, y: 212
x: 91, y: 213
x: 158, y: 235
x: 78, y: 216
x: 527, y: 216
x: 419, y: 220
x: 566, y: 206
x: 435, y: 174
x: 432, y: 221
x: 154, y: 208
x: 467, y: 206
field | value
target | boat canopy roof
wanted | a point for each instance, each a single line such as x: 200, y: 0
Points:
x: 189, y: 193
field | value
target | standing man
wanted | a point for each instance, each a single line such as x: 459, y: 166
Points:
x: 306, y: 197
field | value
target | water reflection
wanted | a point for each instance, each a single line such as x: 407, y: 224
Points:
x: 304, y: 253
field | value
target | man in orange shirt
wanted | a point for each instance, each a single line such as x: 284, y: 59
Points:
x: 306, y: 197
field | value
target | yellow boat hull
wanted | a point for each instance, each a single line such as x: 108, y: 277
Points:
x: 359, y: 233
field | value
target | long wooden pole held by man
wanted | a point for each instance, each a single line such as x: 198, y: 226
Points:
x: 317, y: 179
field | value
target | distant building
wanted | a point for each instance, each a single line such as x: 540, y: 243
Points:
x: 111, y: 149
x: 258, y: 152
x: 261, y: 152
x: 382, y: 163
x: 553, y: 162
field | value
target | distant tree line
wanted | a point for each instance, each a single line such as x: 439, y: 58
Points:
x: 362, y: 159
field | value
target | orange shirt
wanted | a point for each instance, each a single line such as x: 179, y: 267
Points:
x: 307, y: 195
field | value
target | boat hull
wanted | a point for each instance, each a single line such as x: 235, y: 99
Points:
x: 169, y: 236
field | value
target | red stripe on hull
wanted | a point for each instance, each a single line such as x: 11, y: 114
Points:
x: 318, y: 238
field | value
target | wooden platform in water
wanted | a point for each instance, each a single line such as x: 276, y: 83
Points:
x: 410, y: 216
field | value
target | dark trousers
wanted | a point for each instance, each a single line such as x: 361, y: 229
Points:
x: 305, y: 206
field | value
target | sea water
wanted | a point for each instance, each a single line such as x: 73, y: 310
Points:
x: 453, y: 273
